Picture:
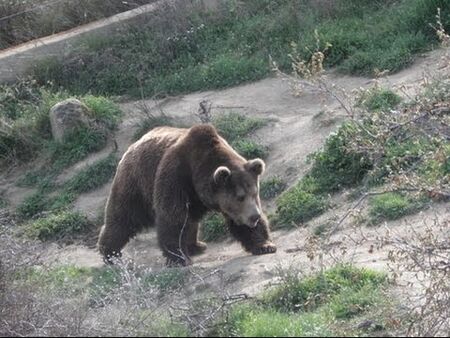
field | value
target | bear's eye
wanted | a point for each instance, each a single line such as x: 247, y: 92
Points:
x: 241, y: 198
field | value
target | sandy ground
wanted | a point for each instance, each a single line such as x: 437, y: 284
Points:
x: 299, y: 126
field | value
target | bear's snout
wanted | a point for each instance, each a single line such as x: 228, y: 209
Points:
x: 254, y: 220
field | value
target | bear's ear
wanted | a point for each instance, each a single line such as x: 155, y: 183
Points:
x: 221, y: 175
x: 255, y: 166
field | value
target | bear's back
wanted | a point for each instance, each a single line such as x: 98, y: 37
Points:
x: 139, y: 164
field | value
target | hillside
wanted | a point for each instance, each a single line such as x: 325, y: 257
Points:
x: 356, y: 186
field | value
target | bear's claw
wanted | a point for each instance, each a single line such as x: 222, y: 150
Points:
x: 267, y: 248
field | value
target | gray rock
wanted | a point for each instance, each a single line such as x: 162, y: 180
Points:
x: 67, y: 115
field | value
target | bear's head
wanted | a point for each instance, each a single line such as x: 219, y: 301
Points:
x: 237, y: 192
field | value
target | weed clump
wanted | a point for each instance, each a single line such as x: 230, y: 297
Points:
x: 250, y: 149
x: 378, y: 99
x: 309, y: 306
x: 299, y: 204
x: 57, y: 225
x: 391, y: 206
x: 297, y: 294
x: 236, y: 128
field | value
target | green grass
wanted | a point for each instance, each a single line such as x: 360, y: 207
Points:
x: 408, y: 154
x: 24, y: 121
x: 100, y: 282
x: 214, y: 51
x: 316, y: 305
x: 76, y: 146
x: 250, y: 149
x: 94, y: 176
x: 350, y: 302
x: 57, y: 225
x: 150, y: 122
x: 254, y: 321
x: 213, y: 227
x: 307, y: 294
x: 235, y: 126
x: 335, y: 166
x: 165, y: 280
x: 299, y: 204
x: 435, y: 169
x: 3, y: 202
x: 271, y: 187
x: 33, y: 205
x: 379, y: 99
x: 103, y: 110
x: 391, y: 206
x: 25, y: 126
x: 56, y: 198
x: 97, y: 284
x: 165, y: 327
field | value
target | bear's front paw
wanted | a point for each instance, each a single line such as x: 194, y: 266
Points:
x: 197, y: 248
x: 266, y: 248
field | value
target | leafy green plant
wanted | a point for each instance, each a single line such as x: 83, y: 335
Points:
x: 299, y: 204
x: 25, y: 126
x: 378, y: 99
x: 336, y: 166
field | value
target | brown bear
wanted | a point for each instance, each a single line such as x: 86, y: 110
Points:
x: 170, y: 178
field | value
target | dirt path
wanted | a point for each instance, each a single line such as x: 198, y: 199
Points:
x: 298, y: 128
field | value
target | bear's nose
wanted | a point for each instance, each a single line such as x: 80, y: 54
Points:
x: 254, y: 219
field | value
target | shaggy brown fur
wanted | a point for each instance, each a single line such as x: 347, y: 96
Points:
x: 170, y: 178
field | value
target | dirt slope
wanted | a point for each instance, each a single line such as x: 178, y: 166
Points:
x: 298, y: 128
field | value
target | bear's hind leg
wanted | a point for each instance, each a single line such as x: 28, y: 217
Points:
x: 173, y: 241
x: 112, y: 240
x: 119, y: 228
